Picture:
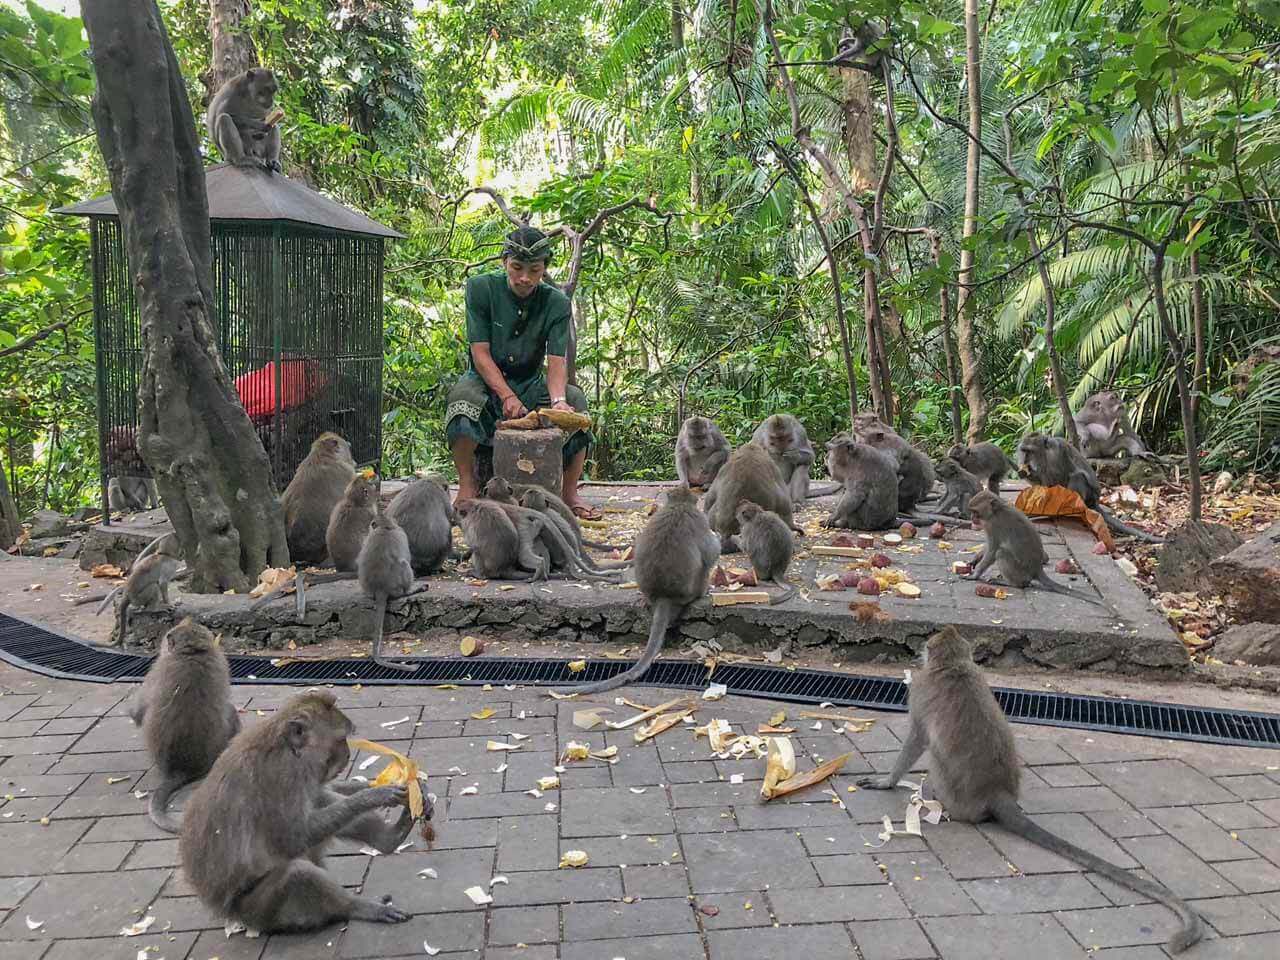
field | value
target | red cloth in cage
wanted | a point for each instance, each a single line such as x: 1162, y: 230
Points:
x: 300, y: 381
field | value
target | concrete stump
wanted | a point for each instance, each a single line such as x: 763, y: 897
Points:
x: 530, y: 456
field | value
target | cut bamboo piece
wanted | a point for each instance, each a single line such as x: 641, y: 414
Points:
x: 828, y: 715
x: 816, y: 775
x: 651, y: 712
x: 742, y: 596
x: 662, y: 724
x: 823, y: 551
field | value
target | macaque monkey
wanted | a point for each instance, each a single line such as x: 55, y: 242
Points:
x: 864, y: 48
x: 238, y: 122
x: 424, y: 513
x: 1014, y: 544
x: 350, y: 521
x: 386, y: 573
x: 132, y: 494
x: 974, y: 768
x: 701, y: 450
x: 674, y: 555
x: 767, y: 540
x: 1105, y: 429
x: 147, y: 586
x: 870, y: 500
x: 915, y: 470
x: 750, y: 474
x: 784, y: 437
x: 549, y: 543
x: 960, y: 484
x: 538, y: 498
x: 498, y: 550
x: 256, y: 829
x: 185, y: 711
x: 985, y: 461
x: 308, y: 501
x: 1052, y: 462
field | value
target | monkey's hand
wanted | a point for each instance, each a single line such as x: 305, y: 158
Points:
x: 395, y: 795
x: 876, y: 783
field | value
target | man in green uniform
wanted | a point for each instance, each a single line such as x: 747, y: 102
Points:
x: 514, y: 320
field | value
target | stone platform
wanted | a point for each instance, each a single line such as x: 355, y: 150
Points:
x: 684, y: 863
x: 1027, y: 627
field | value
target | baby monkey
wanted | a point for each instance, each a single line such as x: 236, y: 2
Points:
x: 985, y: 461
x: 767, y: 540
x: 185, y: 711
x: 1014, y: 544
x: 961, y: 486
x: 147, y: 586
x: 974, y: 768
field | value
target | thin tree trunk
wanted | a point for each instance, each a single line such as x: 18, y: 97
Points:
x: 213, y: 474
x: 677, y: 41
x: 970, y: 359
x: 1178, y: 349
x: 233, y: 49
x: 1198, y: 318
x: 10, y: 526
x: 948, y: 345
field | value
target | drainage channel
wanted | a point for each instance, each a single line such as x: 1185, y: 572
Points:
x: 33, y: 647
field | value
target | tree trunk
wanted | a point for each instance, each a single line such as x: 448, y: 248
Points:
x: 213, y: 474
x: 948, y: 344
x: 970, y: 360
x: 677, y: 41
x: 1197, y: 294
x: 233, y: 48
x: 10, y: 526
x: 1191, y: 441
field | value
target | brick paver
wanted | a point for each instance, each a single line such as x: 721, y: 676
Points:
x: 683, y: 862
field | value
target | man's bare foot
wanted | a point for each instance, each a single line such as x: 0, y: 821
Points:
x: 583, y: 510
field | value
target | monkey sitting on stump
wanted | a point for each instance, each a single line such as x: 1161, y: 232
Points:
x: 185, y: 711
x: 768, y: 542
x: 147, y: 586
x: 870, y: 500
x: 1105, y: 429
x: 240, y: 120
x: 1014, y: 544
x: 386, y: 573
x: 255, y: 830
x: 701, y: 450
x: 674, y: 555
x: 974, y: 769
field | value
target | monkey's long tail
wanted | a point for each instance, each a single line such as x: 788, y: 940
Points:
x: 106, y: 598
x: 1010, y: 816
x: 826, y: 491
x: 788, y: 591
x: 158, y: 807
x: 1114, y: 523
x: 665, y: 613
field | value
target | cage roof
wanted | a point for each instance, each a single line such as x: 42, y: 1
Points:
x: 247, y: 193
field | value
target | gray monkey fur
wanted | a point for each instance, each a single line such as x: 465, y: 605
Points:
x: 870, y: 499
x: 767, y: 540
x: 236, y: 120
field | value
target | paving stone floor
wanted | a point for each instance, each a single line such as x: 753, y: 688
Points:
x: 683, y: 862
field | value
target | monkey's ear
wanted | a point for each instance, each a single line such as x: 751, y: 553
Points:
x: 296, y: 735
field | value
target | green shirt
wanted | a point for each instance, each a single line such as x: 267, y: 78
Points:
x: 520, y: 333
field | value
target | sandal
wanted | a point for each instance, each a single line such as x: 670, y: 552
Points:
x: 584, y: 511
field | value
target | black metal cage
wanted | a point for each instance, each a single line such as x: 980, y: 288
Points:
x: 297, y: 310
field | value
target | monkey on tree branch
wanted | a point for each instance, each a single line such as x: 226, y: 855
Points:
x: 213, y: 474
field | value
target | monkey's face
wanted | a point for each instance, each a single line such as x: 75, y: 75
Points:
x: 982, y: 506
x: 747, y: 511
x: 948, y: 469
x: 1031, y: 452
x: 958, y: 452
x: 464, y: 508
x: 697, y: 432
x: 263, y: 86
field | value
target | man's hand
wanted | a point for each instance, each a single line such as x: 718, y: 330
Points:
x: 564, y: 405
x: 512, y: 408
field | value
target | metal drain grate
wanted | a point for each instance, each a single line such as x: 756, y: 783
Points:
x: 33, y: 647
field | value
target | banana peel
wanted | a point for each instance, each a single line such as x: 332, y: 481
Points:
x: 401, y: 771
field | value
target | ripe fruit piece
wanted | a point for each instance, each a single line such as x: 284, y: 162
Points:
x: 1100, y: 549
x: 866, y: 541
x: 985, y: 590
x: 1065, y: 566
x: 961, y: 568
x: 843, y: 540
x: 880, y: 560
x: 869, y: 587
x: 908, y: 530
x: 938, y: 530
x: 850, y: 578
x: 719, y: 578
